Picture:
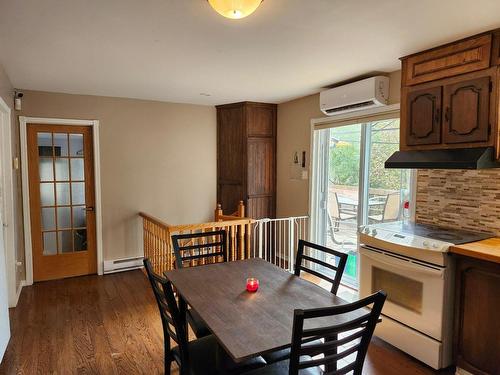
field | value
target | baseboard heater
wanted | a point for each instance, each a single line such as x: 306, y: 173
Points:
x: 124, y: 264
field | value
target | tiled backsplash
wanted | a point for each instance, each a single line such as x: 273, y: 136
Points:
x: 462, y: 199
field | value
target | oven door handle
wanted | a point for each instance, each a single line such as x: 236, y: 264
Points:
x: 406, y: 264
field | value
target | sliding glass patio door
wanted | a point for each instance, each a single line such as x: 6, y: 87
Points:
x: 351, y: 187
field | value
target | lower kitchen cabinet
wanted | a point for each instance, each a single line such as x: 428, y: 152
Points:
x: 477, y: 316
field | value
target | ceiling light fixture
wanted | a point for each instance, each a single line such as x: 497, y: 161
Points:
x: 235, y: 9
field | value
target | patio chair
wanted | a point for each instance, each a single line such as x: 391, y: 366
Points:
x: 336, y: 215
x: 391, y: 211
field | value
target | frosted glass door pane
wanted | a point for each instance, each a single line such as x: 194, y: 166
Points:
x: 63, y: 217
x: 62, y: 169
x: 61, y: 144
x: 62, y: 193
x: 79, y: 217
x: 78, y: 193
x: 80, y: 240
x: 77, y: 169
x: 76, y: 144
x: 48, y: 219
x: 47, y: 194
x: 65, y: 242
x: 49, y: 243
x: 46, y: 169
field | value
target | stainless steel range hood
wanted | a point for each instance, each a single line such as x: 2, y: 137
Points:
x: 470, y: 158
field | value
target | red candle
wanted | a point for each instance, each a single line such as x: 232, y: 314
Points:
x: 252, y: 284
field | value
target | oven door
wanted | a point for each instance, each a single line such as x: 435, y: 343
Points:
x: 415, y: 290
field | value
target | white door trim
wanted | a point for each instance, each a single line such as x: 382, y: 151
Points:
x: 23, y: 122
x: 8, y: 208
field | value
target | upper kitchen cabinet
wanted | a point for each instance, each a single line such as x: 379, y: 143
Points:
x: 424, y: 116
x: 496, y: 47
x: 246, y: 157
x: 466, y: 113
x: 449, y: 96
x: 461, y: 57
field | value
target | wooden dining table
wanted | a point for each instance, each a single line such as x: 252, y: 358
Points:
x: 251, y: 324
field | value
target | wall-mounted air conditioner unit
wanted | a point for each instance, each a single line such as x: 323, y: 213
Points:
x: 367, y: 93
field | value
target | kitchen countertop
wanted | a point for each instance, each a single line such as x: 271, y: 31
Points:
x: 488, y: 249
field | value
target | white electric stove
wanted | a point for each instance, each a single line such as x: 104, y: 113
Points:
x: 411, y: 263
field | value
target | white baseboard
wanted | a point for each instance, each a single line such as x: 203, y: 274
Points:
x: 461, y: 371
x: 18, y: 293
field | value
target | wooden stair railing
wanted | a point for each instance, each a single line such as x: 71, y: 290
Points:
x: 238, y: 214
x: 158, y: 243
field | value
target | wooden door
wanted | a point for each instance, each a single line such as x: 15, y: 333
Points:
x: 261, y: 174
x: 62, y: 201
x: 477, y: 327
x: 231, y: 159
x: 423, y: 119
x: 466, y: 116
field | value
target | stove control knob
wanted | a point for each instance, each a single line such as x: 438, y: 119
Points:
x: 367, y: 230
x: 425, y: 243
x: 435, y: 245
x: 374, y: 232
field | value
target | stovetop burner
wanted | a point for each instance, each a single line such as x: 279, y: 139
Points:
x: 444, y: 236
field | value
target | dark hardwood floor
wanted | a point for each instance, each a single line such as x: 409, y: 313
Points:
x: 110, y: 325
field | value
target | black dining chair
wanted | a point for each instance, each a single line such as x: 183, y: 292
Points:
x: 201, y: 356
x: 349, y: 337
x: 340, y: 259
x: 200, y: 248
x: 209, y: 247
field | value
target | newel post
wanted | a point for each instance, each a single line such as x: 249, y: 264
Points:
x: 241, y: 209
x: 218, y: 212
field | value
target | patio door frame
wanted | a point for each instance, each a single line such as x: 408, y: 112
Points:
x: 23, y: 123
x: 318, y: 183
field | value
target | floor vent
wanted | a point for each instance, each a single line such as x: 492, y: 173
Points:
x: 120, y: 265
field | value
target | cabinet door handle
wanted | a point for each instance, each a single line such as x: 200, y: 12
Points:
x: 437, y: 117
x: 447, y: 114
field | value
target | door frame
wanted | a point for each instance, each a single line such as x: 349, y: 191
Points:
x: 23, y: 124
x: 8, y: 209
x: 354, y: 117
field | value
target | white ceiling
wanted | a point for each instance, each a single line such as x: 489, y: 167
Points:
x: 173, y: 50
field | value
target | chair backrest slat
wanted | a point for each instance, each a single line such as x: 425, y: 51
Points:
x: 314, y: 350
x: 329, y: 358
x: 339, y: 258
x: 342, y: 327
x: 342, y: 371
x: 351, y: 335
x: 318, y: 274
x: 209, y: 247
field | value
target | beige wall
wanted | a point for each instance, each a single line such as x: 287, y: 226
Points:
x: 7, y: 94
x: 294, y: 134
x: 155, y: 157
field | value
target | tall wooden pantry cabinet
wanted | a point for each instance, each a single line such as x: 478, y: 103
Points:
x: 246, y: 158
